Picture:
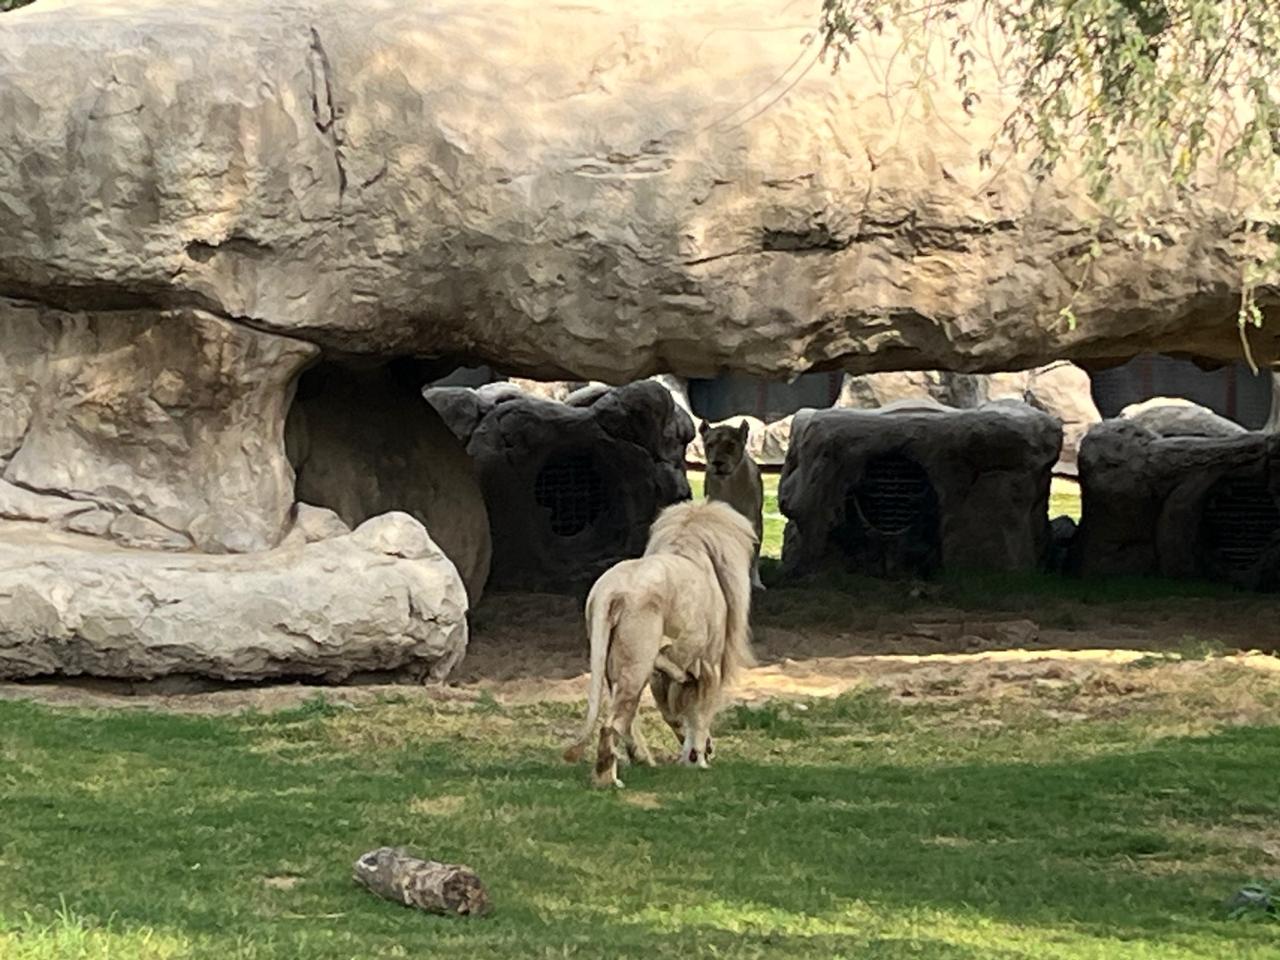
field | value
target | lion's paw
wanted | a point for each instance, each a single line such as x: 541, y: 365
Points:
x: 694, y: 758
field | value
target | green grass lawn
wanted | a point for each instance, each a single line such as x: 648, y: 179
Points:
x: 852, y: 827
x: 1064, y: 499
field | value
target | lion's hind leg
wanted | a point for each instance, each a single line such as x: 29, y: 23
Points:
x: 636, y: 644
x: 637, y: 749
x: 667, y: 694
x: 698, y: 708
x: 619, y: 727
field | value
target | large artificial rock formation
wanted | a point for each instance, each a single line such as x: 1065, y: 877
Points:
x: 363, y: 443
x: 163, y: 427
x: 570, y: 489
x: 616, y: 189
x: 1180, y: 506
x: 1060, y: 389
x: 910, y: 491
x: 382, y: 598
x: 194, y: 204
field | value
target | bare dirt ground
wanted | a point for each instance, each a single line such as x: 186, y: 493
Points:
x: 528, y: 648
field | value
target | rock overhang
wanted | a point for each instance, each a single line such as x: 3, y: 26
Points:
x: 602, y: 192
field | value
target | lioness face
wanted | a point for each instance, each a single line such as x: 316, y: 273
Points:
x: 725, y: 447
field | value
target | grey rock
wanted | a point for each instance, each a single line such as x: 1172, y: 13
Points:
x: 314, y: 523
x: 1061, y: 389
x: 500, y: 392
x: 572, y: 490
x: 907, y: 493
x: 94, y: 522
x: 1062, y: 535
x: 586, y: 396
x: 1180, y: 506
x: 18, y: 503
x: 132, y: 530
x: 461, y: 409
x: 396, y: 535
x: 1176, y: 417
x: 678, y: 387
x: 872, y: 390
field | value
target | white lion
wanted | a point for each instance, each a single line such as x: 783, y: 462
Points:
x: 675, y: 618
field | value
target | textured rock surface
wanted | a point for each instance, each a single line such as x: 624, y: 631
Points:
x: 313, y: 523
x: 364, y: 443
x: 869, y: 391
x: 1180, y: 506
x: 570, y: 490
x: 906, y: 493
x: 1060, y: 389
x: 172, y: 420
x: 586, y: 396
x: 615, y: 189
x: 72, y: 605
x: 18, y: 503
x: 1175, y: 417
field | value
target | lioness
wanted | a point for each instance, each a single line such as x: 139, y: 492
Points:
x: 677, y: 618
x: 732, y: 476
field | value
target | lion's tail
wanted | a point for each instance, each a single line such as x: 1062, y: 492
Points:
x: 602, y: 617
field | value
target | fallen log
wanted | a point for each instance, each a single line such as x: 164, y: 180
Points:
x: 444, y: 888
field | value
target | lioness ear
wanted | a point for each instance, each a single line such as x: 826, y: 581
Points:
x: 703, y: 428
x: 743, y: 431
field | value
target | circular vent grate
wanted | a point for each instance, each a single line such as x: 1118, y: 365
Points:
x: 571, y: 491
x: 1239, y: 522
x: 893, y: 493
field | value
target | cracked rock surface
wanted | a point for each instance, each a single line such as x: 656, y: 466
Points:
x: 600, y: 190
x: 172, y: 422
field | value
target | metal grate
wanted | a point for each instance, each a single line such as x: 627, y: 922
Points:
x: 1233, y: 391
x: 1239, y: 522
x: 571, y: 491
x: 893, y: 493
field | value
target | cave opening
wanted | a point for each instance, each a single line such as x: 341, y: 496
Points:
x: 362, y: 441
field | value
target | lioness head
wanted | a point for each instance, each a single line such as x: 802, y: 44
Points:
x: 725, y: 446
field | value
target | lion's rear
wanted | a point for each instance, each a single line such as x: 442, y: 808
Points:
x: 721, y: 535
x: 698, y: 558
